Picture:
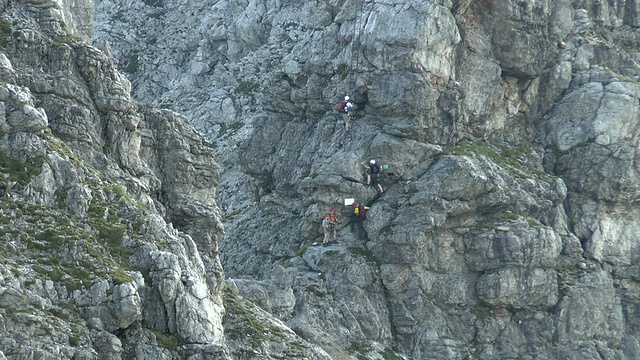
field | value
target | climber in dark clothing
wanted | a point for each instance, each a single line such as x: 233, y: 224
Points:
x: 374, y: 173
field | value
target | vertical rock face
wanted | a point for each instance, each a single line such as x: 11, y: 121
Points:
x: 508, y: 223
x: 108, y: 214
x: 91, y: 181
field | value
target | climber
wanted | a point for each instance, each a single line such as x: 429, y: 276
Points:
x: 345, y: 107
x: 359, y: 211
x: 374, y: 173
x: 334, y: 220
x: 327, y: 226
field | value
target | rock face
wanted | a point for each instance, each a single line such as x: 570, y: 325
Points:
x: 510, y: 128
x: 508, y: 223
x: 94, y: 210
x: 510, y: 132
x: 108, y: 214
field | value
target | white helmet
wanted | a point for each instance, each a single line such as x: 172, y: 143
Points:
x: 346, y: 97
x: 372, y: 162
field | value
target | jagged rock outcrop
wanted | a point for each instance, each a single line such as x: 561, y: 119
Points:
x: 520, y: 244
x: 83, y: 271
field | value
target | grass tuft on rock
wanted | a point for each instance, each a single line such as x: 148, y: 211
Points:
x: 5, y: 32
x: 244, y: 322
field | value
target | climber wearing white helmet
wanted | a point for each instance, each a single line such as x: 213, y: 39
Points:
x: 345, y: 107
x: 374, y: 173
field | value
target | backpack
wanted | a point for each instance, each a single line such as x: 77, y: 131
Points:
x: 327, y: 224
x: 341, y: 106
x: 360, y: 211
x: 332, y: 218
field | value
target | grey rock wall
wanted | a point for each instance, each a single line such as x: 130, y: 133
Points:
x: 510, y: 127
x: 80, y: 237
x: 108, y: 213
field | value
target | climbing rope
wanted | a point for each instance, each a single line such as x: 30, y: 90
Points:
x: 354, y: 69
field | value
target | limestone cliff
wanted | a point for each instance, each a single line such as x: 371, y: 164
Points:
x: 109, y: 224
x: 508, y: 228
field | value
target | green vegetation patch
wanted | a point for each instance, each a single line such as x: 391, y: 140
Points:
x: 99, y: 236
x: 132, y: 64
x: 52, y: 238
x: 313, y: 289
x: 80, y: 278
x: 69, y: 38
x: 568, y: 276
x: 5, y: 32
x: 247, y: 87
x: 389, y: 354
x: 112, y: 234
x: 360, y: 346
x: 235, y: 213
x: 241, y: 323
x: 70, y: 250
x: 117, y: 189
x: 230, y: 130
x: 54, y: 273
x: 343, y: 71
x: 106, y: 221
x: 166, y: 341
x: 20, y: 172
x: 121, y: 192
x: 481, y: 313
x: 154, y: 3
x: 61, y: 196
x: 120, y: 276
x: 507, y: 158
x: 304, y: 247
x: 520, y: 150
x: 74, y: 339
x: 60, y: 147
